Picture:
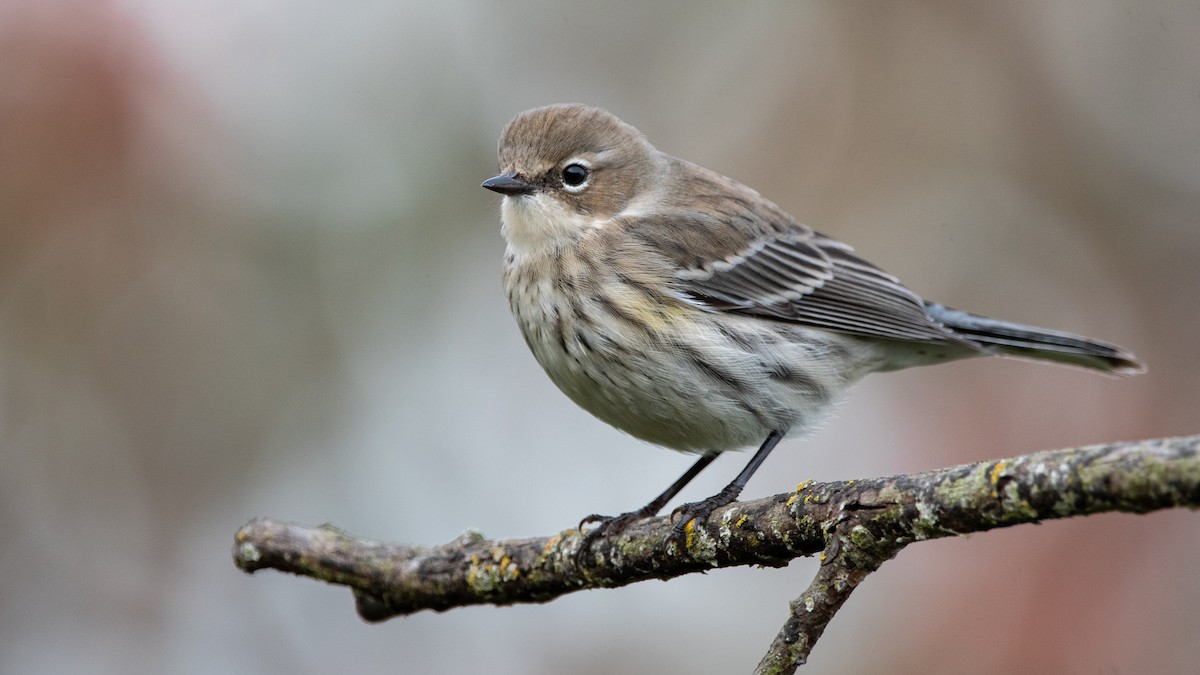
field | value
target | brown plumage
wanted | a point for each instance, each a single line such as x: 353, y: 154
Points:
x: 688, y: 310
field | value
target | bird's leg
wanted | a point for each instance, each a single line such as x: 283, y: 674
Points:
x: 614, y: 524
x: 699, y: 511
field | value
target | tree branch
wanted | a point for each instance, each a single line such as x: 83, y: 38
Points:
x: 856, y: 525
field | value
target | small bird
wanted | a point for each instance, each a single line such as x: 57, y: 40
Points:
x: 687, y: 310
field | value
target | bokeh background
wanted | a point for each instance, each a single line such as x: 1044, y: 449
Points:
x: 246, y: 269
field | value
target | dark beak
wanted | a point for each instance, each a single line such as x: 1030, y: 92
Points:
x: 508, y: 184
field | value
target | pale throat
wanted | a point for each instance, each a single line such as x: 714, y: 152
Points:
x: 537, y: 223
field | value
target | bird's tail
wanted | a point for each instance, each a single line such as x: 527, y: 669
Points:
x: 1031, y: 342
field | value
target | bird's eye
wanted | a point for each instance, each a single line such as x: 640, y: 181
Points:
x: 574, y: 175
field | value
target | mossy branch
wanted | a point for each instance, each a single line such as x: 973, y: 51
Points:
x: 855, y: 525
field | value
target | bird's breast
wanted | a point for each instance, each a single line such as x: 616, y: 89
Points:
x: 664, y: 371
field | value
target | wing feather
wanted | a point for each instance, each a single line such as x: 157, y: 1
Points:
x: 734, y: 251
x: 820, y: 283
x: 807, y: 278
x: 737, y: 252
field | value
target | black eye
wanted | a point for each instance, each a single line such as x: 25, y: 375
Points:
x: 574, y: 175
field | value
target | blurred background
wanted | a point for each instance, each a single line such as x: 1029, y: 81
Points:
x: 246, y: 269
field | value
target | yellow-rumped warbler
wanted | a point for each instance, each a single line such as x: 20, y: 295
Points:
x: 684, y: 308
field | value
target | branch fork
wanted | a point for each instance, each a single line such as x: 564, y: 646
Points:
x: 855, y: 526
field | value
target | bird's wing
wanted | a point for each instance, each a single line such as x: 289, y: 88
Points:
x: 804, y: 277
x: 732, y: 250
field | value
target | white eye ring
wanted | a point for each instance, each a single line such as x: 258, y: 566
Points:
x: 575, y: 175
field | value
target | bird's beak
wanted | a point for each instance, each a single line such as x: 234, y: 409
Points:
x: 508, y: 184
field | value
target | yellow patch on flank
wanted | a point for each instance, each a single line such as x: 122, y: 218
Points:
x: 656, y: 316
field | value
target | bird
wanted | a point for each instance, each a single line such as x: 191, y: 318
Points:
x: 687, y: 310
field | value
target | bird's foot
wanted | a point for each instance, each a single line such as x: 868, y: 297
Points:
x: 699, y: 512
x: 607, y: 526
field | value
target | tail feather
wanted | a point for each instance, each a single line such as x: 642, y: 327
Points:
x: 1031, y: 342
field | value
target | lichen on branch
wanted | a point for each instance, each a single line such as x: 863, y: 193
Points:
x: 856, y: 525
